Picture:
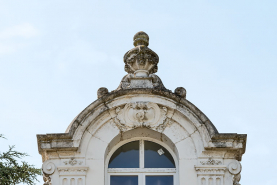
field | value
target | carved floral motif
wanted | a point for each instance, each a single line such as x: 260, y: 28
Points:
x: 72, y: 170
x: 72, y: 162
x: 141, y: 114
x: 211, y: 170
x: 211, y: 161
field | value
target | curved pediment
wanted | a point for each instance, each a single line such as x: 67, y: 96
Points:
x: 130, y: 111
x: 132, y: 108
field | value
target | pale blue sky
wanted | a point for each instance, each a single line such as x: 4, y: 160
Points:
x: 54, y: 55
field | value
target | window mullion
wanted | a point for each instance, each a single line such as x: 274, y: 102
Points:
x: 141, y: 181
x: 141, y: 155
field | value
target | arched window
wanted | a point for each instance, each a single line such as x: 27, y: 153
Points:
x: 141, y: 162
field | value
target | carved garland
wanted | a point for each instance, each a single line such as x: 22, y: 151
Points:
x: 76, y: 170
x: 211, y: 170
x: 211, y: 161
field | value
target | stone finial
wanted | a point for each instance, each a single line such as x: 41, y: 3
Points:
x: 141, y: 61
x: 181, y: 91
x: 141, y: 38
x: 102, y: 91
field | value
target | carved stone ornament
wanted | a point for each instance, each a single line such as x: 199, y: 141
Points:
x: 46, y: 179
x: 130, y: 81
x: 236, y: 179
x: 48, y: 167
x: 73, y: 170
x: 102, y: 91
x: 181, y: 91
x: 141, y: 60
x: 211, y: 161
x: 141, y: 63
x: 141, y: 114
x: 234, y: 167
x: 72, y: 162
x: 210, y: 170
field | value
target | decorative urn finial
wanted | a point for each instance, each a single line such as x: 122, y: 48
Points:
x: 141, y: 63
x: 141, y: 60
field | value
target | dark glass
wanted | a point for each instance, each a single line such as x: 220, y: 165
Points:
x: 152, y: 159
x: 159, y: 180
x: 124, y: 180
x: 127, y: 156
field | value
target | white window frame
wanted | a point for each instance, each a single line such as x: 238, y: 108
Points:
x: 142, y: 172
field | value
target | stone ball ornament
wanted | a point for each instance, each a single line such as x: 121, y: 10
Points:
x: 141, y: 38
x: 48, y: 167
x: 102, y: 91
x: 181, y: 91
x: 234, y: 167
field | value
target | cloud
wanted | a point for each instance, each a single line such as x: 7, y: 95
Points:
x: 25, y: 30
x: 11, y: 37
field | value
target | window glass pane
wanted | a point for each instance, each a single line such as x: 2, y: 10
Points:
x: 124, y: 180
x: 127, y: 156
x: 159, y: 180
x: 156, y: 156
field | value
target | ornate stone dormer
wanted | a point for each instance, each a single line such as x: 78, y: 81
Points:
x: 141, y: 63
x: 141, y: 111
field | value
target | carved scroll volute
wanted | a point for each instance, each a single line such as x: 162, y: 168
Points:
x: 235, y: 168
x: 48, y: 167
x: 140, y: 114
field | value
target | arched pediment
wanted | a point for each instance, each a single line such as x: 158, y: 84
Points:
x: 167, y: 99
x: 123, y: 107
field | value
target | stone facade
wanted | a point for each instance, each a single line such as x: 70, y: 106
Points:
x: 141, y: 108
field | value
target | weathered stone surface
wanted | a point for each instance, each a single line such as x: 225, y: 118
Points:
x: 141, y: 108
x: 181, y: 91
x: 102, y: 91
